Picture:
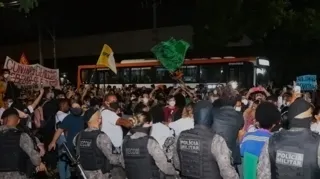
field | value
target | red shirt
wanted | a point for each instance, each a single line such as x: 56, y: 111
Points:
x: 168, y: 113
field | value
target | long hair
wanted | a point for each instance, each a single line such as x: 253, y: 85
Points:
x: 188, y: 110
x: 228, y: 95
x: 140, y: 118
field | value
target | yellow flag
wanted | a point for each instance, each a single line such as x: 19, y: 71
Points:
x: 106, y: 58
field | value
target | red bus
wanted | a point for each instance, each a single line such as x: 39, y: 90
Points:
x: 246, y: 72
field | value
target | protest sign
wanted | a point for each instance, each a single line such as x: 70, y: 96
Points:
x: 307, y: 82
x: 32, y: 74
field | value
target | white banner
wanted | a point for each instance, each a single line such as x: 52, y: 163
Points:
x: 32, y: 74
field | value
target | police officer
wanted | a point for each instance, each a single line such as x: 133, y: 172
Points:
x: 293, y: 153
x: 16, y: 148
x: 95, y: 148
x: 143, y: 157
x: 200, y: 152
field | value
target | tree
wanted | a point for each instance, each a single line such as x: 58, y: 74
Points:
x: 272, y: 22
x: 24, y: 5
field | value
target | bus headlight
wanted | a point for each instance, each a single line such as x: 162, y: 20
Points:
x: 234, y: 84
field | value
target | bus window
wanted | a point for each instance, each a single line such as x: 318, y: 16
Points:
x: 236, y: 73
x: 212, y: 73
x: 88, y: 76
x: 108, y: 77
x: 163, y: 75
x: 240, y: 72
x: 141, y: 75
x: 262, y: 76
x: 189, y: 73
x: 124, y: 74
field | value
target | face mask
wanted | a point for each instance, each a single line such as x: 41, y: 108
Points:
x: 9, y: 104
x: 132, y: 98
x: 50, y: 95
x: 6, y: 75
x: 238, y: 109
x: 244, y: 101
x: 172, y: 103
x: 145, y: 100
x: 76, y: 111
x: 215, y: 92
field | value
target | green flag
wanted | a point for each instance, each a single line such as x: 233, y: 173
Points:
x: 171, y: 53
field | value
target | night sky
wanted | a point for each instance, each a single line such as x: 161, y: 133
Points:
x: 73, y: 18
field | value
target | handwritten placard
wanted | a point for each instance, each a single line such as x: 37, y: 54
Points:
x: 32, y: 74
x: 307, y: 82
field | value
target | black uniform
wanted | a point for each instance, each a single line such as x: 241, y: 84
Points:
x: 138, y: 162
x: 13, y: 158
x: 91, y: 157
x: 194, y: 150
x: 294, y: 154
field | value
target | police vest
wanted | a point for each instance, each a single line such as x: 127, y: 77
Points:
x: 91, y: 157
x: 13, y: 158
x: 293, y: 155
x: 139, y: 164
x: 194, y: 150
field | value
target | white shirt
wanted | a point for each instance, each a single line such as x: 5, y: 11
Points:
x: 182, y: 125
x: 315, y: 127
x: 109, y: 126
x: 60, y: 117
x: 1, y: 111
x: 252, y: 128
x: 160, y: 133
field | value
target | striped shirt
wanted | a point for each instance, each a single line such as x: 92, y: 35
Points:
x: 253, y: 142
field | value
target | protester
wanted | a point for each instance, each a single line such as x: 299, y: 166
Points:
x: 186, y: 122
x: 267, y: 115
x: 228, y: 122
x: 315, y: 126
x: 162, y: 117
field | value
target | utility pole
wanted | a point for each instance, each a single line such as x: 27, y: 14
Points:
x: 40, y: 44
x: 155, y: 4
x: 154, y: 19
x: 54, y: 49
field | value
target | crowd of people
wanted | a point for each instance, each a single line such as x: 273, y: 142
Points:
x: 159, y: 132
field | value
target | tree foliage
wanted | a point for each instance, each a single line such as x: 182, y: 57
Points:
x: 24, y: 5
x: 264, y: 21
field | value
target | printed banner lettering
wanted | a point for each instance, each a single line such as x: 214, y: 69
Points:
x: 307, y: 82
x: 32, y: 74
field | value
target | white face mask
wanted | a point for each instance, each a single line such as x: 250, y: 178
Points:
x: 132, y: 98
x: 215, y: 92
x: 9, y: 104
x: 244, y: 101
x: 6, y: 75
x: 238, y: 109
x: 145, y: 100
x: 50, y: 95
x: 172, y: 103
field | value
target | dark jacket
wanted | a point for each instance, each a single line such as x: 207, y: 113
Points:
x: 12, y: 91
x: 227, y: 123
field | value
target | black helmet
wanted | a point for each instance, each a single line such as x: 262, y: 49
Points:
x: 203, y: 113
